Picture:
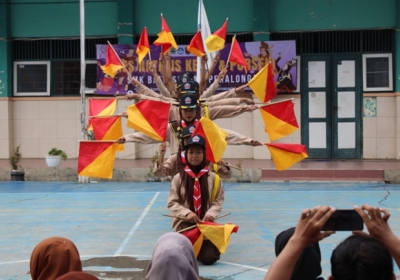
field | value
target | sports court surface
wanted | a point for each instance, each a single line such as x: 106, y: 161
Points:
x: 125, y: 219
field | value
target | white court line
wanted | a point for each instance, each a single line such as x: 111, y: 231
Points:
x: 135, y: 226
x: 245, y: 266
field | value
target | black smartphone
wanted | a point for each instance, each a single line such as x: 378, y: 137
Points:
x: 344, y: 220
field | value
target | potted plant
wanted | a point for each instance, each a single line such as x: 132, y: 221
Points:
x: 55, y: 156
x: 17, y: 173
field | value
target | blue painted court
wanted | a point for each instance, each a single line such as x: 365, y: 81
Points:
x: 125, y: 219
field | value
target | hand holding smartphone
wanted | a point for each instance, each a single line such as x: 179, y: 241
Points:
x: 344, y: 220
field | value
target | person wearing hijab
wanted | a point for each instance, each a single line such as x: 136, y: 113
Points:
x: 53, y: 257
x: 308, y: 267
x: 191, y: 197
x: 77, y: 275
x: 173, y: 258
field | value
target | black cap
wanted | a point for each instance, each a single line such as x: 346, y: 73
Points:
x: 184, y: 78
x: 188, y: 101
x: 189, y: 87
x: 187, y: 131
x: 196, y: 140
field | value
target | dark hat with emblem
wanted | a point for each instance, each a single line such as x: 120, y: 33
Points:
x: 187, y: 131
x: 188, y: 101
x: 189, y: 87
x: 196, y: 140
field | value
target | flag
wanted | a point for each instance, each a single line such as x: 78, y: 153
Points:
x: 143, y: 47
x: 113, y: 63
x: 150, y: 117
x: 101, y: 107
x: 204, y: 27
x: 165, y: 38
x: 216, y: 41
x: 263, y: 84
x: 196, y: 45
x: 236, y: 55
x: 96, y: 159
x: 108, y: 128
x: 215, y: 139
x: 218, y: 234
x: 285, y: 155
x: 279, y: 119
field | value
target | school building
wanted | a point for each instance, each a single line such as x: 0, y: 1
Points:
x: 348, y: 58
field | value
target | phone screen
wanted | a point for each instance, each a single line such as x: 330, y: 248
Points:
x: 344, y: 220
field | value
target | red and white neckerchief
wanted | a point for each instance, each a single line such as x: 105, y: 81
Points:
x: 196, y: 188
x: 184, y: 124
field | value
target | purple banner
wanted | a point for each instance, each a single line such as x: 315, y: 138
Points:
x: 257, y: 54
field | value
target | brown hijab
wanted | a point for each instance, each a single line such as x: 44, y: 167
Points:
x: 53, y: 257
x: 77, y: 275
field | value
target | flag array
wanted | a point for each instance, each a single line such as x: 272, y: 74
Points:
x: 113, y: 63
x: 143, y: 47
x: 279, y: 119
x: 150, y: 117
x: 196, y: 45
x: 263, y: 84
x: 215, y: 139
x: 96, y: 159
x: 216, y: 41
x: 165, y: 38
x: 236, y: 55
x: 218, y: 234
x: 285, y: 155
x: 101, y: 107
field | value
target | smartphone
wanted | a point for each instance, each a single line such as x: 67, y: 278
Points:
x: 344, y: 220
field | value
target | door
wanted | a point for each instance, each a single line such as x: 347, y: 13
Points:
x: 331, y: 106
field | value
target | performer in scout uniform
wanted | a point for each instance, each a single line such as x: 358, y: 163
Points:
x: 178, y: 161
x: 191, y: 195
x: 189, y: 114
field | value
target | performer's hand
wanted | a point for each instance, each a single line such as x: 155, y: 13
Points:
x: 133, y: 96
x: 255, y: 143
x: 121, y: 140
x: 248, y: 101
x: 222, y: 74
x: 250, y: 108
x: 162, y: 148
x: 152, y: 67
x: 192, y: 218
x: 124, y: 115
x: 208, y: 218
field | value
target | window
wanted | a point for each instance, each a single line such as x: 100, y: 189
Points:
x: 377, y: 72
x: 32, y: 78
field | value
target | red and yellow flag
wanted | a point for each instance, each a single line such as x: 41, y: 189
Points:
x: 113, y: 63
x: 101, y: 107
x: 150, y: 117
x: 196, y: 45
x: 108, y: 128
x: 165, y: 38
x: 143, y: 47
x: 263, y: 84
x: 215, y: 139
x: 96, y: 159
x: 279, y: 119
x: 236, y: 55
x: 216, y: 41
x: 285, y: 155
x: 218, y: 234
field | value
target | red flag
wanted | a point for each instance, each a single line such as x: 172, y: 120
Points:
x: 165, y: 38
x: 150, y: 117
x: 263, y: 84
x: 216, y: 41
x: 215, y: 139
x: 96, y: 159
x: 113, y: 63
x: 108, y: 128
x: 285, y: 155
x: 101, y: 107
x: 279, y: 119
x: 196, y: 45
x: 236, y: 55
x: 143, y: 47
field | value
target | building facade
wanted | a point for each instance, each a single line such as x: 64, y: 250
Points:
x: 348, y: 57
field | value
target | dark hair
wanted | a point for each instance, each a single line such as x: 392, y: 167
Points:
x: 188, y: 182
x: 361, y: 257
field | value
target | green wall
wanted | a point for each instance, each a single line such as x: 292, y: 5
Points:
x: 332, y: 14
x: 5, y: 48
